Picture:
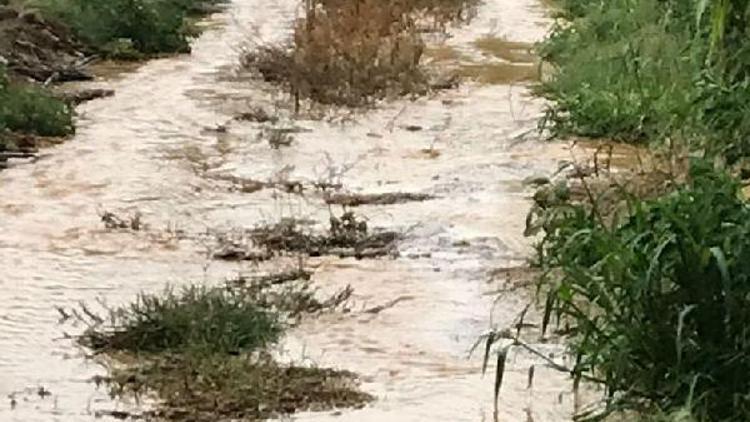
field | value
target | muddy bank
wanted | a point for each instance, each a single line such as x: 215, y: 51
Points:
x: 36, y: 48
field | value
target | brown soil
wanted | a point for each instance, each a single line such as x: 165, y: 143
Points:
x: 23, y: 146
x: 38, y: 49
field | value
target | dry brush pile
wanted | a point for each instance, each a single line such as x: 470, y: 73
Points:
x: 351, y: 53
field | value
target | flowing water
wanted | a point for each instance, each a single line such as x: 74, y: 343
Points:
x: 153, y: 148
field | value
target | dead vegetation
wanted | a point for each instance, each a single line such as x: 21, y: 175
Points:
x: 351, y: 53
x: 607, y: 180
x: 114, y: 221
x: 258, y: 115
x: 356, y: 200
x: 290, y: 292
x: 38, y: 49
x: 235, y: 388
x: 347, y: 236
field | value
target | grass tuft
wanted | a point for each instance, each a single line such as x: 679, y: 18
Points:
x: 194, y: 320
x: 205, y: 351
x: 353, y: 53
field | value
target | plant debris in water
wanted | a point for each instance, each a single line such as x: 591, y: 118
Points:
x: 347, y: 236
x: 204, y: 351
x: 351, y: 53
x: 114, y: 221
x: 236, y: 388
x: 355, y: 200
x: 289, y: 292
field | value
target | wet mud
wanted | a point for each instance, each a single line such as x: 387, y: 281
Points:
x: 35, y: 48
x: 169, y: 147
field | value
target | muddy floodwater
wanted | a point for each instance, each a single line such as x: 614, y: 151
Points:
x: 166, y: 147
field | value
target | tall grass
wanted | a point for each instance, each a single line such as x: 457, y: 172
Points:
x: 658, y: 301
x: 645, y: 70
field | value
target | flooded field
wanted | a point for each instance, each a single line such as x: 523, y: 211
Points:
x: 167, y: 147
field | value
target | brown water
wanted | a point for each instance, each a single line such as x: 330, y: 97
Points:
x: 150, y: 149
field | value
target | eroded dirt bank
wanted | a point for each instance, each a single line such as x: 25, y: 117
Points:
x: 162, y: 147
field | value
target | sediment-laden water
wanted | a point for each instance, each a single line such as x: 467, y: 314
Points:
x: 162, y: 147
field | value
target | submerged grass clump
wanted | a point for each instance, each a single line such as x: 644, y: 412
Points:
x: 204, y: 352
x: 347, y: 236
x: 194, y: 320
x: 346, y: 53
x: 240, y: 388
x: 657, y: 300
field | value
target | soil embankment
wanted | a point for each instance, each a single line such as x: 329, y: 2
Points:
x: 36, y: 48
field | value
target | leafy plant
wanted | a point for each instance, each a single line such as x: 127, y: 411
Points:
x: 30, y: 109
x: 658, y: 302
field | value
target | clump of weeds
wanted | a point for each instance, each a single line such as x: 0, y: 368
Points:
x: 654, y: 299
x: 30, y: 110
x: 355, y: 200
x: 128, y: 222
x: 204, y: 352
x: 650, y: 70
x: 351, y: 53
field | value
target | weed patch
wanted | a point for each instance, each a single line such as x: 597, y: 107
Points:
x: 655, y: 299
x: 204, y: 351
x: 347, y: 236
x: 195, y: 320
x: 31, y: 110
x: 352, y: 53
x: 648, y: 70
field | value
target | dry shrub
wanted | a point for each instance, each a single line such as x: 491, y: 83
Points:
x: 352, y: 52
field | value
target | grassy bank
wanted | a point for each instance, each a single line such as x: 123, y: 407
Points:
x: 652, y: 71
x: 651, y: 286
x: 44, y: 39
x: 128, y: 29
x: 206, y: 352
x: 656, y: 298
